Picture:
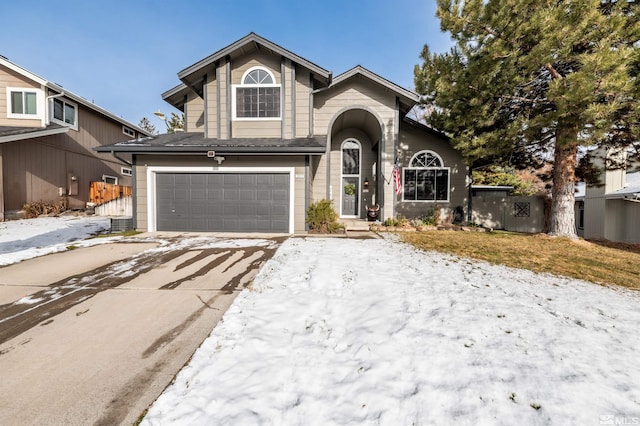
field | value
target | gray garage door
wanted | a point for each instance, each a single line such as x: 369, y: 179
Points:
x: 223, y: 202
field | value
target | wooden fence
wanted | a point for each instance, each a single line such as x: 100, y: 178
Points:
x: 104, y: 192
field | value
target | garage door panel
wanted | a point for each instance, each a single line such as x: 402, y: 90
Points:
x: 223, y: 202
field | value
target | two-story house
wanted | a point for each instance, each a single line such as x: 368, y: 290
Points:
x: 47, y: 136
x: 268, y: 132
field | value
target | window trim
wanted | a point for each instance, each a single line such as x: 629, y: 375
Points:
x: 64, y: 101
x: 442, y: 167
x: 39, y: 115
x: 124, y: 131
x: 126, y: 171
x: 234, y: 91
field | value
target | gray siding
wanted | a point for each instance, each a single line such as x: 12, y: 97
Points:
x: 414, y: 140
x: 34, y: 169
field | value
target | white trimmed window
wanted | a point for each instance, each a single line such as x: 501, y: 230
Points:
x: 258, y: 97
x: 25, y: 103
x: 128, y: 131
x: 426, y: 178
x: 64, y: 112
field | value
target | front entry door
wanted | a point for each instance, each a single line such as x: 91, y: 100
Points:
x: 350, y: 191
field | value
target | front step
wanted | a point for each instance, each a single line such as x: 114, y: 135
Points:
x: 355, y: 224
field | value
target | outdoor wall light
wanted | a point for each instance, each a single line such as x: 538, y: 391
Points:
x: 365, y: 184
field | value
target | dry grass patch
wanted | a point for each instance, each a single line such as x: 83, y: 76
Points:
x: 599, y: 263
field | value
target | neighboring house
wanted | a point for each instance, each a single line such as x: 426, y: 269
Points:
x: 610, y: 211
x: 47, y: 136
x: 268, y: 132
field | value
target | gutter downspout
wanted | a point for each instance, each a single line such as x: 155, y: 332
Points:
x: 122, y: 160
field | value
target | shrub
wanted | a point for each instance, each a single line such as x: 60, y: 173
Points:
x: 39, y: 208
x: 322, y: 218
x: 390, y: 222
x: 431, y: 217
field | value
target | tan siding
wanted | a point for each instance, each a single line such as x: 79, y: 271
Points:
x: 328, y: 104
x: 241, y: 65
x: 319, y: 178
x: 9, y: 78
x: 302, y: 92
x: 299, y: 208
x: 212, y: 108
x: 194, y: 113
x: 141, y: 197
x: 287, y: 108
x: 257, y: 129
x: 1, y: 184
x: 223, y: 102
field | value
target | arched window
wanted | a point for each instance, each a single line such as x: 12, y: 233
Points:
x: 258, y: 97
x: 426, y: 178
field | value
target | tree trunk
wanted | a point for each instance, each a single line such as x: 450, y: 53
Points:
x: 562, y: 221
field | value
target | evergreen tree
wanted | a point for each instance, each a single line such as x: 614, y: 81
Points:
x: 146, y: 125
x: 175, y: 122
x: 529, y: 80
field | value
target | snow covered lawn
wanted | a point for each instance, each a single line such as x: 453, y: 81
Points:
x: 339, y: 331
x: 28, y: 238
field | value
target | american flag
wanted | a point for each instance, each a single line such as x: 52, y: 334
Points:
x: 396, y: 179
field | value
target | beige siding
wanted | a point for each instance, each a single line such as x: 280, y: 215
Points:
x: 319, y: 178
x: 194, y: 113
x: 415, y: 140
x: 289, y: 91
x: 223, y: 103
x: 211, y: 110
x: 298, y: 162
x: 302, y: 94
x: 257, y: 129
x: 9, y: 78
x: 328, y: 104
x: 262, y: 59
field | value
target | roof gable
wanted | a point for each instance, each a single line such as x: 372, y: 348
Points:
x: 193, y: 75
x: 407, y: 97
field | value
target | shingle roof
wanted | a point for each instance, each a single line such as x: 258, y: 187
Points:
x: 191, y: 142
x: 12, y: 133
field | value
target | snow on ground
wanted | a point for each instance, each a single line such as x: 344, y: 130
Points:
x: 28, y: 238
x: 339, y: 331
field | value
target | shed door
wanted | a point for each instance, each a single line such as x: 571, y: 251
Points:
x: 223, y: 202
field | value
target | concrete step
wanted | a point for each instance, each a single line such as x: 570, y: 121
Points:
x: 355, y: 224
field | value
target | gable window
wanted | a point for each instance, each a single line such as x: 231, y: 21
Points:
x: 258, y: 97
x: 426, y: 178
x: 65, y: 113
x: 128, y: 131
x: 24, y: 103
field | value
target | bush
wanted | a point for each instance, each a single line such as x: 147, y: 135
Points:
x: 431, y: 217
x: 322, y: 218
x: 39, y: 208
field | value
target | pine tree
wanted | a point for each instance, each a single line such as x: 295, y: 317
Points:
x: 176, y: 122
x: 146, y: 125
x: 529, y: 80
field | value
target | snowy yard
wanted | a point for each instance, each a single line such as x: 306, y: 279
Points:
x: 339, y: 331
x: 29, y: 238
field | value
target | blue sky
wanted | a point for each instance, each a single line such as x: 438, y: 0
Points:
x: 122, y: 54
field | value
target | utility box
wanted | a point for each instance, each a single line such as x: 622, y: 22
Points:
x: 72, y: 184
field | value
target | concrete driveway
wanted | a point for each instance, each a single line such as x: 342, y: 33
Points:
x: 93, y: 335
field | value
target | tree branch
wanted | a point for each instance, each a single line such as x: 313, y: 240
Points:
x: 553, y: 71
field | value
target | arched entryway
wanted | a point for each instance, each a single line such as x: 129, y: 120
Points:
x: 353, y: 176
